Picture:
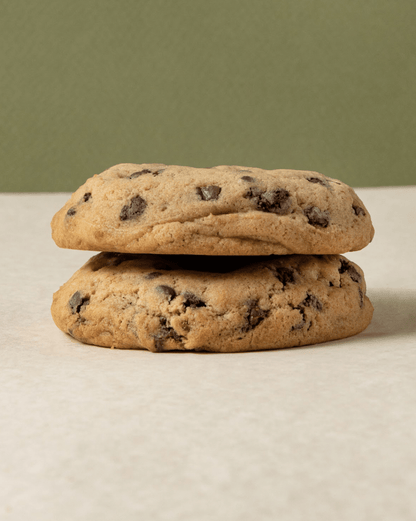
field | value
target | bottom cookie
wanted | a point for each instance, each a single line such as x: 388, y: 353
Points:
x: 218, y: 304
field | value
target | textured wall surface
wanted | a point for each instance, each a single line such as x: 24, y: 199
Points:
x: 312, y: 84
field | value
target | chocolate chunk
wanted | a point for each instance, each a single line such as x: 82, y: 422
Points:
x: 298, y: 326
x: 248, y: 179
x: 285, y: 275
x: 276, y: 201
x: 317, y: 180
x: 358, y: 210
x: 72, y: 211
x: 208, y: 193
x: 301, y: 324
x: 159, y: 342
x: 86, y: 197
x: 165, y: 332
x: 153, y: 275
x: 136, y: 207
x: 192, y: 301
x: 77, y: 301
x: 313, y: 302
x: 346, y: 267
x: 138, y: 174
x: 316, y: 216
x: 253, y: 316
x: 361, y: 295
x: 254, y: 193
x: 167, y: 291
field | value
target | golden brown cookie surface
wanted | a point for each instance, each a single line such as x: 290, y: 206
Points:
x: 225, y: 210
x: 222, y: 304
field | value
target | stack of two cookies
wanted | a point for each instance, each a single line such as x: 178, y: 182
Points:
x: 216, y: 259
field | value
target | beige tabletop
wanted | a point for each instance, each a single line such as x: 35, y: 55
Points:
x: 316, y: 433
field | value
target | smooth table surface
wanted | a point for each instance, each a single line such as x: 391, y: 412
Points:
x: 315, y: 433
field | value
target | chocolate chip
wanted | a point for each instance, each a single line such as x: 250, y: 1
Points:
x: 277, y: 201
x: 153, y: 275
x: 274, y: 201
x: 77, y: 301
x: 138, y: 174
x: 159, y: 343
x: 361, y: 295
x: 253, y: 316
x: 310, y: 301
x: 208, y: 193
x: 300, y: 325
x: 192, y: 301
x: 86, y: 197
x: 72, y: 211
x: 346, y: 267
x: 136, y: 207
x: 164, y: 332
x: 285, y: 275
x: 313, y: 302
x: 316, y: 216
x: 317, y: 180
x: 358, y: 210
x: 248, y: 179
x: 167, y: 291
x: 254, y: 193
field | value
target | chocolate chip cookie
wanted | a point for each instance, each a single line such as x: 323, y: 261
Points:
x: 226, y: 210
x: 222, y: 304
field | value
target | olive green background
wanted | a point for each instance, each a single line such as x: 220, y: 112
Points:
x: 324, y: 85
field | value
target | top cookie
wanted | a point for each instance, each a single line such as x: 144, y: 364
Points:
x: 224, y: 210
